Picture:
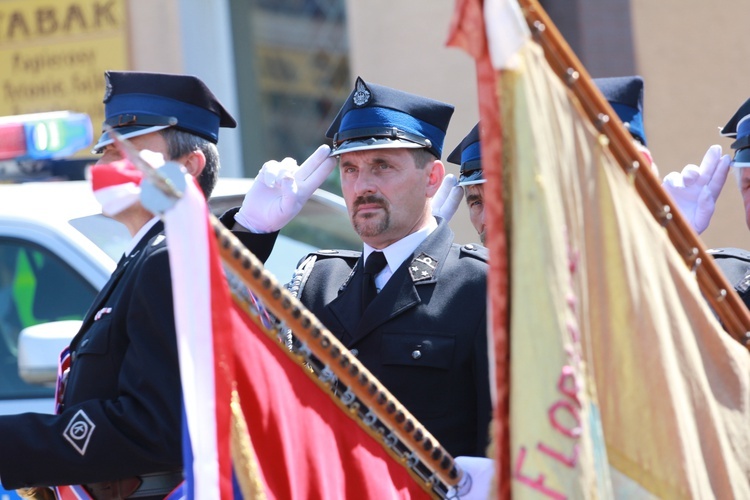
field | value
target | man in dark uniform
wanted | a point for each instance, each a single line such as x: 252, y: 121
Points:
x: 412, y: 306
x: 468, y: 155
x: 118, y: 427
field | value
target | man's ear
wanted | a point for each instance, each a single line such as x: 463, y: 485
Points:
x: 435, y: 177
x: 194, y: 162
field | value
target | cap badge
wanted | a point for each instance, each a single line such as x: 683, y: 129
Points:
x: 361, y: 94
x: 107, y: 88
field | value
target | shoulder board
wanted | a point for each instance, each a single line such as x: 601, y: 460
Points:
x: 729, y: 253
x: 476, y: 250
x: 339, y: 254
x: 735, y: 264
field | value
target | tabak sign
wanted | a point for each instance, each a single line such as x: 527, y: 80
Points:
x: 53, y: 54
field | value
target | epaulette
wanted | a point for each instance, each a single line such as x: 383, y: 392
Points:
x: 341, y: 254
x: 735, y: 253
x: 306, y: 264
x: 735, y: 264
x: 477, y: 251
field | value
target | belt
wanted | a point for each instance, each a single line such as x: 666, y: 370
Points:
x: 147, y: 485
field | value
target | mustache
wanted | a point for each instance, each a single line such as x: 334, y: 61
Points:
x: 368, y: 200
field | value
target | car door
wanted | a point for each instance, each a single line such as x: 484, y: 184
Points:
x: 36, y: 286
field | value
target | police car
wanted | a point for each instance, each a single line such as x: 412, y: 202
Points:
x: 57, y: 250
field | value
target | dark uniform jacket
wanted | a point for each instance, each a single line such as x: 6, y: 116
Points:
x: 735, y: 264
x: 423, y: 336
x: 122, y: 405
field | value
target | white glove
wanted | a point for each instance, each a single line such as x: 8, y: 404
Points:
x: 476, y: 480
x: 696, y: 189
x: 281, y: 189
x: 448, y: 197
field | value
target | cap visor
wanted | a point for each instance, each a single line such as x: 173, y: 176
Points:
x: 474, y: 177
x: 373, y: 143
x: 470, y: 183
x: 741, y: 158
x: 126, y: 133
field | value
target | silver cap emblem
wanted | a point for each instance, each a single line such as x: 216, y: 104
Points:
x: 107, y: 88
x: 361, y: 94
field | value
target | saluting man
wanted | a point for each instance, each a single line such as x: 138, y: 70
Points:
x: 411, y: 306
x: 117, y: 433
x: 468, y: 155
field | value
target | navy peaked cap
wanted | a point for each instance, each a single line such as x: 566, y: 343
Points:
x: 468, y: 155
x: 137, y: 103
x: 377, y: 117
x: 738, y: 127
x: 625, y: 94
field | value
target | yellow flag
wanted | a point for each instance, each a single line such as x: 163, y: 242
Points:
x: 623, y: 383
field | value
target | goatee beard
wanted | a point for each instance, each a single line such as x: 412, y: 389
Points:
x: 369, y: 225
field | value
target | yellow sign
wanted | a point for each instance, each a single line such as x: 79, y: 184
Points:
x: 53, y: 54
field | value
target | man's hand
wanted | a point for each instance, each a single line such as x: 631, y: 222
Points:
x: 448, y: 197
x: 281, y: 189
x: 696, y: 189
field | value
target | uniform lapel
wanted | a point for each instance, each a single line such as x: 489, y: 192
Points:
x: 398, y: 295
x: 406, y: 288
x: 347, y: 306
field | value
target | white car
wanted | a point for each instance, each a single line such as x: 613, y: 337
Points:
x: 57, y: 251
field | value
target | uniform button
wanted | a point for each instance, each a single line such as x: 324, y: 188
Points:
x: 469, y: 247
x: 354, y: 352
x: 84, y: 342
x: 72, y: 357
x: 416, y: 354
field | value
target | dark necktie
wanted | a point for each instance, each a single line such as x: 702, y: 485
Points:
x: 374, y: 264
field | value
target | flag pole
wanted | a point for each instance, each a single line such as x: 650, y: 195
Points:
x: 720, y: 295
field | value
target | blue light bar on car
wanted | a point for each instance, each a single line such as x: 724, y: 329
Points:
x: 41, y: 136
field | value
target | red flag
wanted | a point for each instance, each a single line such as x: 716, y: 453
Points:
x: 306, y: 446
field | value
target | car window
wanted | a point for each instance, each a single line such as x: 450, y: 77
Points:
x: 35, y: 287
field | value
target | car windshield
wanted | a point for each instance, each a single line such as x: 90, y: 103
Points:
x: 106, y: 233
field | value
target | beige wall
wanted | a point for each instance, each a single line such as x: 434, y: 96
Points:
x: 155, y: 36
